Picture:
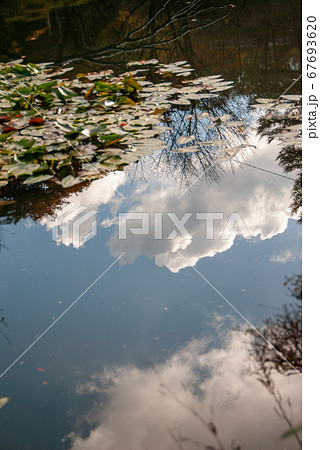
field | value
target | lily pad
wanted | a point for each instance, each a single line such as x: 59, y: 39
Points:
x: 70, y: 181
x: 38, y: 179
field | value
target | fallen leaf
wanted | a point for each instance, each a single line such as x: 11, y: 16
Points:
x: 36, y: 121
x: 3, y: 401
x: 4, y: 119
x: 8, y: 130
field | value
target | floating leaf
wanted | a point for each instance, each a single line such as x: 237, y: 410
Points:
x: 65, y: 92
x: 23, y: 169
x: 21, y: 70
x: 265, y: 100
x: 8, y: 129
x: 70, y: 181
x: 182, y: 102
x: 26, y: 143
x: 131, y: 82
x: 38, y: 179
x: 190, y: 149
x: 4, y: 401
x: 4, y: 119
x: 64, y: 126
x: 238, y: 123
x: 95, y: 112
x: 294, y: 98
x: 224, y: 118
x: 72, y: 134
x: 229, y: 153
x: 4, y: 136
x: 98, y: 129
x: 214, y: 142
x: 26, y: 90
x: 262, y: 106
x: 89, y: 92
x: 37, y: 121
x: 47, y: 85
x: 185, y: 139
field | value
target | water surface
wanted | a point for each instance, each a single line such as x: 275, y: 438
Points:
x: 156, y: 349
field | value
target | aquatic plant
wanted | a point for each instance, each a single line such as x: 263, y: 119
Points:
x: 74, y: 129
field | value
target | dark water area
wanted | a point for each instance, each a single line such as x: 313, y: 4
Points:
x: 187, y: 336
x: 256, y: 43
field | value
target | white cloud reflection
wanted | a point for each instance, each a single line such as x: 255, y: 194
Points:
x: 284, y: 257
x: 136, y: 416
x: 261, y: 199
x: 100, y: 192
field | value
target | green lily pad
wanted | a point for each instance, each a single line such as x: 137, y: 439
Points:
x: 26, y: 143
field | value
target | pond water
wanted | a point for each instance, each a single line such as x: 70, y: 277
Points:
x: 143, y: 332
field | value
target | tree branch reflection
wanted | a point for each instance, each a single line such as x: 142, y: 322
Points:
x: 284, y: 332
x: 284, y: 124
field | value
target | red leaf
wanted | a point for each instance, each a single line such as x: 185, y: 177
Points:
x: 40, y: 369
x: 122, y: 124
x: 36, y: 121
x: 8, y: 130
x: 4, y: 119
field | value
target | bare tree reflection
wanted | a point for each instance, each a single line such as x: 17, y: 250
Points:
x: 284, y: 332
x: 249, y: 39
x: 19, y: 201
x: 277, y: 124
x: 209, y: 425
x: 290, y: 158
x: 195, y: 122
x: 167, y: 22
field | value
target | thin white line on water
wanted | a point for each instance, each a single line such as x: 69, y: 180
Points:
x: 61, y: 315
x: 240, y: 314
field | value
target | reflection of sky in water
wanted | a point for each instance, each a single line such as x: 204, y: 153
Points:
x: 261, y: 199
x: 95, y: 382
x: 138, y: 407
x: 144, y: 312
